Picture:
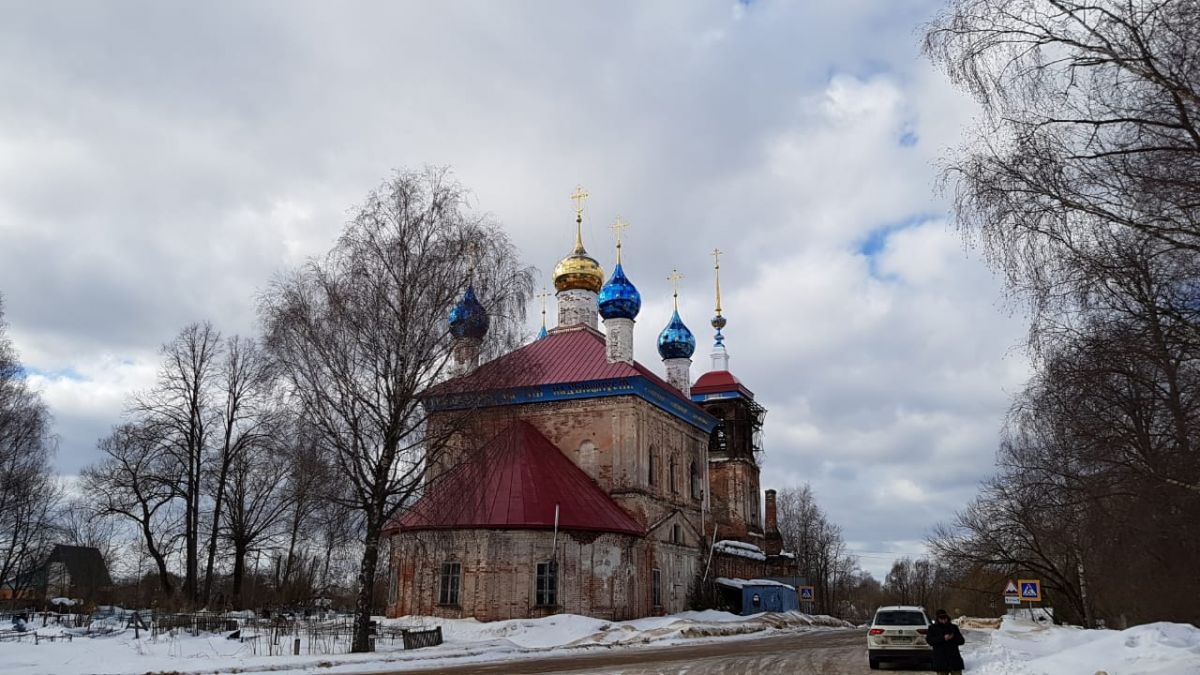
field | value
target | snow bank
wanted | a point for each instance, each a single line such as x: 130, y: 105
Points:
x: 742, y: 583
x: 466, y: 641
x: 1023, y: 647
x: 739, y: 548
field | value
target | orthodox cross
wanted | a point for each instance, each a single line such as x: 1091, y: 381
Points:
x: 578, y: 196
x: 543, y: 296
x: 716, y: 254
x: 618, y: 227
x: 675, y: 279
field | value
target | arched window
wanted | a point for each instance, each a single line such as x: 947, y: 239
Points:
x: 651, y: 470
x: 718, y: 442
x: 671, y: 477
x: 697, y: 481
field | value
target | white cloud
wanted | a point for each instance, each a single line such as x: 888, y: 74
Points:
x: 159, y: 163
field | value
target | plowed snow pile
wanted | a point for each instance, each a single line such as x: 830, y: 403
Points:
x: 1023, y: 647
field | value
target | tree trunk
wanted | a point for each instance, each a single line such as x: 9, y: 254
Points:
x: 216, y: 525
x: 366, y: 585
x: 164, y: 577
x: 239, y: 573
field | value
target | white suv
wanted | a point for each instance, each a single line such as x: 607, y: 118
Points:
x: 897, y: 633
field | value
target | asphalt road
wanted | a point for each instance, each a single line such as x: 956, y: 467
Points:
x: 833, y: 652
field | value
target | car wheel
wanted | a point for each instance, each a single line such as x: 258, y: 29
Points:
x: 874, y: 663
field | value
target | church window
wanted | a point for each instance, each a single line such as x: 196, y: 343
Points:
x: 676, y: 534
x: 650, y: 474
x: 657, y: 589
x: 718, y: 442
x: 671, y: 477
x: 547, y: 584
x: 451, y: 581
x: 697, y: 481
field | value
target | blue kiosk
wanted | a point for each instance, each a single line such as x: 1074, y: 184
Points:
x: 752, y: 596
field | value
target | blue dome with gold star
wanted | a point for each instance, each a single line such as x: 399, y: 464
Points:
x: 468, y: 318
x: 619, y: 299
x: 676, y: 341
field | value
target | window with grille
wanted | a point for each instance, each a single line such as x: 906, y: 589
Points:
x: 657, y: 588
x: 547, y: 584
x: 451, y: 581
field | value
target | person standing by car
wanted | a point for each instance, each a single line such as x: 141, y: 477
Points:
x: 945, y: 639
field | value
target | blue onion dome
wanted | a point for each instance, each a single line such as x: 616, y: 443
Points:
x: 469, y: 319
x: 676, y: 341
x: 619, y: 299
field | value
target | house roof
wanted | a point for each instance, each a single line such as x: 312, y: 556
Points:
x: 515, y: 482
x: 84, y: 564
x: 544, y: 369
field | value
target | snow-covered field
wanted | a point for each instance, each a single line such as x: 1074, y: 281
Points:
x: 466, y: 640
x: 1024, y: 647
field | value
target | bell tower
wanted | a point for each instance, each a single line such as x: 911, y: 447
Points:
x: 736, y: 443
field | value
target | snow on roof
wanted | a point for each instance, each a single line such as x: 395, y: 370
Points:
x: 744, y: 583
x: 739, y: 548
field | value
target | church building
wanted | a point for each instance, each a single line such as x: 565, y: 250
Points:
x: 579, y: 480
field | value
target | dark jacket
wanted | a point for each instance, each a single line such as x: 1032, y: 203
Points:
x: 945, y: 639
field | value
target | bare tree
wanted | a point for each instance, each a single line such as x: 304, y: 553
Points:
x: 259, y: 501
x: 360, y: 333
x: 819, y: 547
x: 138, y: 480
x: 179, y: 413
x: 247, y: 413
x: 28, y: 492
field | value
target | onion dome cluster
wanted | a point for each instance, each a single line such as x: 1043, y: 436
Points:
x: 619, y: 299
x: 676, y: 341
x: 468, y: 318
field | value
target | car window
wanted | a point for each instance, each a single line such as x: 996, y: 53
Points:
x: 899, y: 618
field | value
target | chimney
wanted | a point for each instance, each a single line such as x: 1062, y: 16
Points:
x: 773, y: 541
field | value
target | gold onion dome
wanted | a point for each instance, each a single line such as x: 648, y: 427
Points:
x: 578, y: 270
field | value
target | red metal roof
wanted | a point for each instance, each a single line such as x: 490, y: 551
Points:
x: 575, y: 354
x: 515, y: 483
x: 716, y: 381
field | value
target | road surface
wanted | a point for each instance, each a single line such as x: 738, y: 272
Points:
x: 832, y: 652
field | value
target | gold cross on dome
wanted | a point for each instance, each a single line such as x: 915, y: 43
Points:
x: 578, y: 196
x: 675, y: 278
x: 618, y: 227
x: 716, y: 254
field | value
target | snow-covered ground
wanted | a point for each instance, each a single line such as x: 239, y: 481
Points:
x: 1024, y: 647
x: 466, y: 640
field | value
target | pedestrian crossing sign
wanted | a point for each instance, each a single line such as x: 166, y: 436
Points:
x: 806, y: 593
x: 1011, y: 588
x: 1031, y: 590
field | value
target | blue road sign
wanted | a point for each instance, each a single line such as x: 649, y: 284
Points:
x: 1031, y: 590
x: 806, y: 593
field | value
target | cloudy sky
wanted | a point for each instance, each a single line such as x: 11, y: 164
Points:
x: 159, y: 161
